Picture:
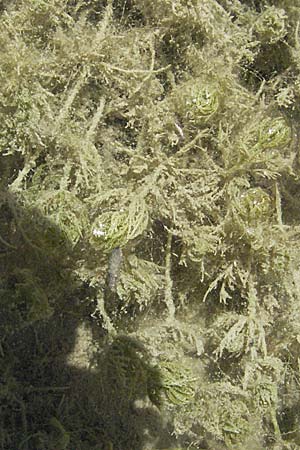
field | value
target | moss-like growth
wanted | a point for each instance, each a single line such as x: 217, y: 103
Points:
x: 196, y: 102
x: 270, y: 25
x: 149, y: 189
x: 177, y: 382
x: 273, y: 133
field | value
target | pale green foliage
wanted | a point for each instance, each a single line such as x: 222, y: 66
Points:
x: 259, y: 148
x: 253, y: 206
x: 195, y: 103
x: 168, y: 130
x: 178, y: 383
x: 273, y: 133
x: 140, y: 282
x: 123, y: 226
x: 270, y: 25
x: 230, y: 421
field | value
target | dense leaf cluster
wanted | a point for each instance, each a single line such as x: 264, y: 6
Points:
x: 149, y: 157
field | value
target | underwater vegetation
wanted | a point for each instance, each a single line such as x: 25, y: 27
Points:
x: 150, y: 188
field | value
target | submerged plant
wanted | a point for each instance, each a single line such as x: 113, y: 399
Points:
x: 273, y: 133
x: 149, y: 149
x: 253, y: 207
x: 178, y: 383
x: 127, y: 374
x: 117, y: 228
x: 263, y: 148
x: 196, y: 102
x: 270, y: 26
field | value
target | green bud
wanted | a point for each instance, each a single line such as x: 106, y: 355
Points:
x: 274, y: 133
x: 203, y: 104
x: 270, y: 26
x: 178, y: 383
x: 111, y: 231
x: 254, y: 206
x: 196, y: 103
x: 116, y: 228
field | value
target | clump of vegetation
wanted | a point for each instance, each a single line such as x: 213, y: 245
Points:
x: 150, y: 189
x: 270, y: 25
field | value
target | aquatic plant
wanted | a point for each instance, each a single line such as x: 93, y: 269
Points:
x: 150, y: 188
x: 178, y: 383
x: 196, y: 101
x: 270, y: 25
